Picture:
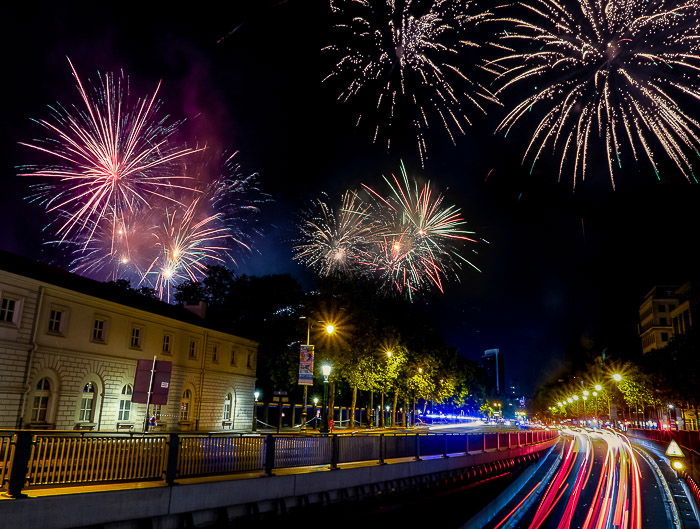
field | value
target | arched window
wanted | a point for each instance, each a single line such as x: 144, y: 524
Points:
x: 87, y: 403
x: 185, y: 404
x: 228, y: 403
x: 40, y: 403
x: 125, y: 403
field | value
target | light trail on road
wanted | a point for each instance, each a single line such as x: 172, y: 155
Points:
x: 595, y: 480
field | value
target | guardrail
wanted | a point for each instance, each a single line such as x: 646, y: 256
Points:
x: 39, y: 459
x: 686, y: 439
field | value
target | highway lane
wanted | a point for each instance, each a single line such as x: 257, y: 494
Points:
x: 591, y: 480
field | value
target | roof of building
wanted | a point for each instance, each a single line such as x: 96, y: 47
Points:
x: 53, y: 275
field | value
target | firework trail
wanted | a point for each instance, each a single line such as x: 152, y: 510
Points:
x: 404, y: 58
x: 420, y: 238
x: 111, y: 155
x: 602, y: 73
x: 332, y: 239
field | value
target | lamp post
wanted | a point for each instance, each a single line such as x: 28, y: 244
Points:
x: 256, y: 394
x: 329, y: 329
x: 326, y: 370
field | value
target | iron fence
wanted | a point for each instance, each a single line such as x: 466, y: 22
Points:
x: 73, y: 459
x: 39, y: 459
x: 6, y: 456
x: 219, y: 454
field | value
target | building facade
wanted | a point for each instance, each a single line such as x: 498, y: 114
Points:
x: 655, y: 317
x: 68, y: 358
x: 682, y: 314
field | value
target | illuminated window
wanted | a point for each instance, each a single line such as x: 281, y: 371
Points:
x: 157, y: 409
x: 227, y: 406
x: 193, y: 350
x: 87, y: 403
x: 185, y: 404
x: 125, y: 403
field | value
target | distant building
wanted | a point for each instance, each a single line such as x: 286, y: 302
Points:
x: 683, y: 315
x: 69, y: 348
x: 492, y: 362
x: 655, y: 317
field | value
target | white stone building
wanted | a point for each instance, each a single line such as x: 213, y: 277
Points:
x: 69, y: 347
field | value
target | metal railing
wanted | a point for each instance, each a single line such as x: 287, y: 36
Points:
x: 219, y: 454
x: 39, y: 459
x: 6, y: 456
x: 69, y: 460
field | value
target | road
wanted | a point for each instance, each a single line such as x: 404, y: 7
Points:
x: 590, y: 480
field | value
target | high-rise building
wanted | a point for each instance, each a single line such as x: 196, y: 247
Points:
x: 683, y: 315
x: 655, y: 317
x: 492, y: 362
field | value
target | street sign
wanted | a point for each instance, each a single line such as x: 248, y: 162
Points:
x: 674, y: 450
x: 280, y: 393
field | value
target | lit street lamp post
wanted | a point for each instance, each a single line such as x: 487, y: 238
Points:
x: 256, y: 394
x: 326, y: 370
x: 330, y: 329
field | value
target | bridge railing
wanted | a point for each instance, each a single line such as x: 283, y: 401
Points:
x: 32, y: 459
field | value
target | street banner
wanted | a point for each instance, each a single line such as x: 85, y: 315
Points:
x: 161, y: 381
x: 306, y: 365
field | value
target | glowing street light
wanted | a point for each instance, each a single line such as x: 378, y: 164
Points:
x: 256, y: 394
x: 575, y: 397
x: 586, y: 393
x: 617, y: 377
x: 326, y: 371
x: 598, y: 387
x: 330, y: 328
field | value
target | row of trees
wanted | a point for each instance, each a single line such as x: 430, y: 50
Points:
x: 642, y: 389
x: 380, y: 346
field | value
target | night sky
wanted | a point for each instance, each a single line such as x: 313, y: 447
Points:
x: 564, y: 269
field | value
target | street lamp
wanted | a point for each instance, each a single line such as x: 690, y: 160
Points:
x: 330, y: 329
x: 326, y: 371
x: 256, y: 394
x: 598, y: 387
x: 617, y: 377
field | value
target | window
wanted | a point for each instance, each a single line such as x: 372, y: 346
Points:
x: 661, y: 308
x: 193, y: 350
x: 663, y: 321
x: 55, y: 317
x: 233, y: 357
x: 215, y: 353
x: 671, y: 307
x: 87, y: 403
x: 185, y: 404
x: 250, y: 360
x: 157, y: 410
x: 136, y: 337
x: 227, y: 406
x: 40, y: 403
x: 125, y: 403
x: 98, y: 330
x: 8, y: 307
x: 167, y: 343
x: 664, y: 337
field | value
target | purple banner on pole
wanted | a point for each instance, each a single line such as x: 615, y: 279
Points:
x: 306, y: 365
x: 161, y: 381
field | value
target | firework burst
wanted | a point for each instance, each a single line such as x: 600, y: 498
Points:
x: 332, y: 240
x: 404, y: 57
x: 111, y: 155
x: 406, y: 238
x: 603, y: 72
x: 420, y: 238
x: 186, y: 241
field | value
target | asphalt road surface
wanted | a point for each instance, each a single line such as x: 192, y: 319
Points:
x: 591, y: 480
